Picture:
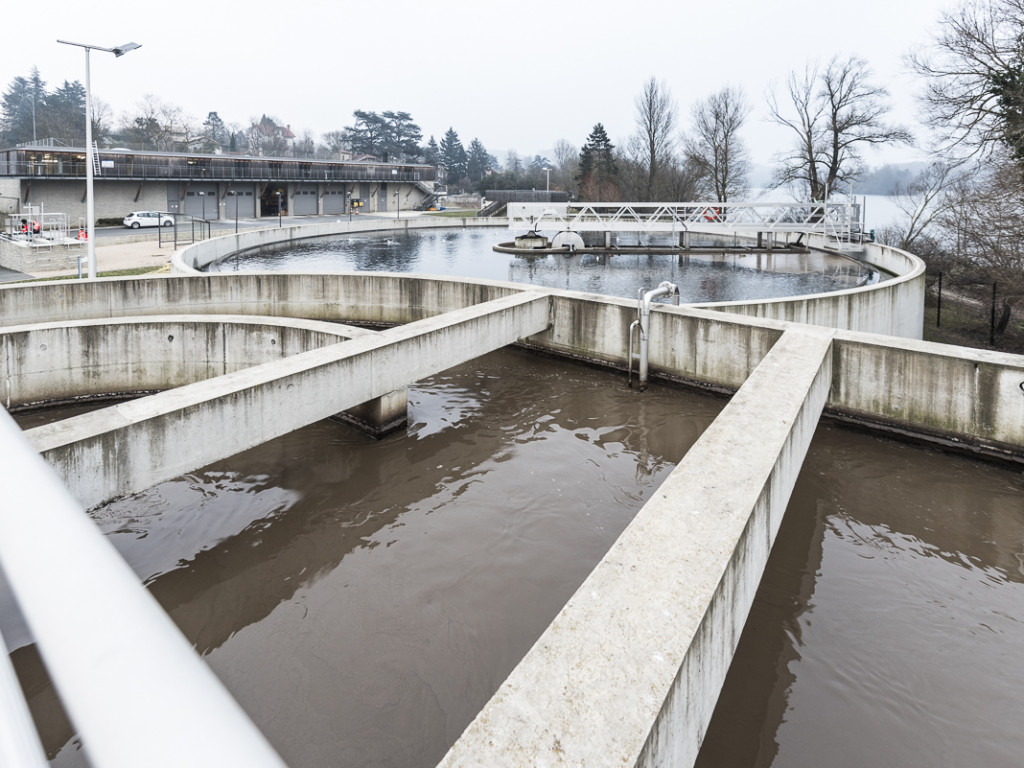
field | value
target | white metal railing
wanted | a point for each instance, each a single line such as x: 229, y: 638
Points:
x: 836, y: 219
x: 131, y: 683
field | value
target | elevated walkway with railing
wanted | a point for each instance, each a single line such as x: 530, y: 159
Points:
x: 840, y: 220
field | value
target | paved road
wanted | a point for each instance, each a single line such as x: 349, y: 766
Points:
x: 224, y: 226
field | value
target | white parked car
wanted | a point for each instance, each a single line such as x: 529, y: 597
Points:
x: 138, y: 219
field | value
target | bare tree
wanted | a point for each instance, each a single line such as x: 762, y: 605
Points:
x: 157, y: 125
x: 715, y: 147
x: 925, y: 203
x: 974, y: 75
x: 652, y: 147
x: 513, y: 163
x: 833, y: 113
x: 983, y: 222
x: 567, y: 159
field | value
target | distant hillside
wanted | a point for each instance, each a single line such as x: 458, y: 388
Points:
x: 876, y: 181
x: 883, y: 181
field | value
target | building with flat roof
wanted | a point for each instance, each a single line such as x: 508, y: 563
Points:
x: 207, y: 186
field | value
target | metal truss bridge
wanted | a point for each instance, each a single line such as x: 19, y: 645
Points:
x: 836, y: 219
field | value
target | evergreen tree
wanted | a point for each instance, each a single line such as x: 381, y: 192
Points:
x: 479, y: 162
x: 367, y: 135
x: 216, y: 132
x: 64, y: 115
x: 597, y: 169
x: 432, y: 155
x: 453, y: 157
x: 391, y: 136
x: 23, y: 105
x: 402, y: 136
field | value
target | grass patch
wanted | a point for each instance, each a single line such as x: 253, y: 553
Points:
x: 461, y: 213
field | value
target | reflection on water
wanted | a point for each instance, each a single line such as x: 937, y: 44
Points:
x: 362, y: 599
x: 887, y: 627
x: 468, y: 253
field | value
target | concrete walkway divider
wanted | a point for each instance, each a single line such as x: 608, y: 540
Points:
x: 629, y: 671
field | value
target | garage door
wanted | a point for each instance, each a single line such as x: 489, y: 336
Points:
x: 304, y: 200
x: 246, y: 204
x: 334, y: 201
x: 201, y: 201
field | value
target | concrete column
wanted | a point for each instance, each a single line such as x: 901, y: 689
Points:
x: 380, y: 416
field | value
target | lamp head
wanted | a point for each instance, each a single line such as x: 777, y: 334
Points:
x: 121, y: 50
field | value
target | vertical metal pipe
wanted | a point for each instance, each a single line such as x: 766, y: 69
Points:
x: 664, y: 289
x: 90, y: 205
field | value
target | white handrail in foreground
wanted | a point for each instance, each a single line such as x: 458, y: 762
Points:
x: 19, y: 742
x: 130, y: 681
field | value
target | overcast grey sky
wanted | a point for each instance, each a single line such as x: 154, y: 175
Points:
x: 516, y: 75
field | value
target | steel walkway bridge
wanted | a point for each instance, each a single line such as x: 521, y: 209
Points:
x: 834, y: 219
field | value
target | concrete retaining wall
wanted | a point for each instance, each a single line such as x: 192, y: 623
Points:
x: 931, y: 390
x: 40, y: 258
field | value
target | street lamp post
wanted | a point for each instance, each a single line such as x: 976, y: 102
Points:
x: 235, y: 195
x: 203, y: 195
x: 394, y: 178
x: 348, y: 198
x: 547, y: 184
x: 90, y: 204
x: 278, y: 207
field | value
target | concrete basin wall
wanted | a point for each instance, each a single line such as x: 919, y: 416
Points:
x: 361, y: 297
x: 962, y: 397
x: 195, y: 258
x: 950, y: 393
x: 894, y: 307
x: 64, y: 361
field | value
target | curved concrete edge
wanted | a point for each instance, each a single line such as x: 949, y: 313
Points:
x: 130, y: 681
x: 192, y: 259
x: 894, y: 307
x: 60, y: 362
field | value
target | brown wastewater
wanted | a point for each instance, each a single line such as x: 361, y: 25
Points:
x: 363, y: 599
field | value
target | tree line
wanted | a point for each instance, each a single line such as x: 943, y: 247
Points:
x: 658, y: 162
x: 964, y: 214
